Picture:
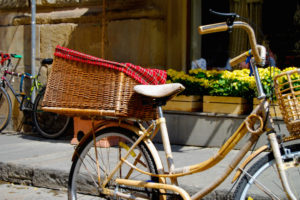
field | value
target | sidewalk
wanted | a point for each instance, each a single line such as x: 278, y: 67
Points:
x: 31, y: 160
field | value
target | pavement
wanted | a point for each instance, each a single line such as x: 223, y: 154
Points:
x: 30, y: 160
x: 10, y: 191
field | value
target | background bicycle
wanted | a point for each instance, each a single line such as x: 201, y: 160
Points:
x: 49, y: 125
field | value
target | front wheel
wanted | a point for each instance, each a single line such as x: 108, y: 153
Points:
x: 262, y: 181
x: 49, y: 125
x: 95, y: 160
x: 5, y: 108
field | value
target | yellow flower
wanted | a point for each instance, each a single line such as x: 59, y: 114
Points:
x: 216, y: 78
x: 289, y: 69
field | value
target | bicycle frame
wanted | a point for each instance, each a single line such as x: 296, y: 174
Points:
x: 5, y: 61
x: 260, y: 115
x: 173, y: 173
x: 17, y: 95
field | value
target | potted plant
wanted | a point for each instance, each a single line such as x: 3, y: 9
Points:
x: 190, y: 99
x: 231, y: 92
x: 227, y: 91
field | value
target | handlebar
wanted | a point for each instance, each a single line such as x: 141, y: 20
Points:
x: 16, y: 55
x: 213, y: 28
x: 257, y: 51
x: 7, y: 57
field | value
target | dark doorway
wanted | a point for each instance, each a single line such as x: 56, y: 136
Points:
x: 215, y: 46
x: 281, y: 27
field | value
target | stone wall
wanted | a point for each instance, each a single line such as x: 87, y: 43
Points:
x: 135, y: 29
x: 150, y: 33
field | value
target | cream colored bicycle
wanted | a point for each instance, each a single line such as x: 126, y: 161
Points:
x: 131, y: 168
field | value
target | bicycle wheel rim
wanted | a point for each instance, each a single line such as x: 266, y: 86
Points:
x: 264, y: 182
x: 112, y: 155
x: 5, y: 109
x: 49, y: 125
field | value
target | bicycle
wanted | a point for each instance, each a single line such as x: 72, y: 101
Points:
x: 48, y: 125
x: 131, y: 168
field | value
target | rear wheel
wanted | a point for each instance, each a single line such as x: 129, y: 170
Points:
x: 262, y: 179
x: 83, y: 178
x: 49, y: 125
x: 5, y: 109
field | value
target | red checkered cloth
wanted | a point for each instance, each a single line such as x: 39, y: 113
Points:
x: 142, y: 75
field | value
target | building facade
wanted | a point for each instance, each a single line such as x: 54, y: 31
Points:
x: 149, y: 33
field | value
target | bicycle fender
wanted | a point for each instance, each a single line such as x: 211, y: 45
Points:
x: 109, y: 124
x: 247, y: 161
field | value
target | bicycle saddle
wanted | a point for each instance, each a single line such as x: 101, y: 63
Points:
x: 47, y: 61
x: 159, y: 91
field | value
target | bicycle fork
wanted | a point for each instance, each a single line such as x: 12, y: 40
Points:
x: 280, y: 166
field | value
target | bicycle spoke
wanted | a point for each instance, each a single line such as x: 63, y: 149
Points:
x: 135, y: 162
x: 109, y: 158
x: 95, y: 148
x: 107, y: 169
x: 262, y: 180
x: 90, y: 173
x: 292, y: 183
x: 92, y: 163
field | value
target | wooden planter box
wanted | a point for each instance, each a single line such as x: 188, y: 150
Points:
x: 227, y: 105
x: 185, y: 103
x: 274, y: 108
x: 85, y: 125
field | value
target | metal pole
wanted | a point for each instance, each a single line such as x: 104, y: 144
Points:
x: 33, y: 36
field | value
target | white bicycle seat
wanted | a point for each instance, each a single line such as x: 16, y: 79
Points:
x: 159, y: 91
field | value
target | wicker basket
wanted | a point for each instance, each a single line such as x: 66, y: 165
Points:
x: 86, y: 90
x: 287, y: 88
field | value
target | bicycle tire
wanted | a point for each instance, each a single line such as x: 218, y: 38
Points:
x: 5, y: 109
x: 83, y: 182
x: 49, y: 125
x: 264, y: 172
